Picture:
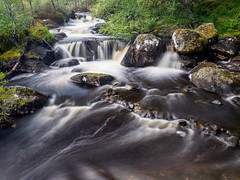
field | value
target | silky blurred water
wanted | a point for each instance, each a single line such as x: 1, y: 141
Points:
x: 79, y: 134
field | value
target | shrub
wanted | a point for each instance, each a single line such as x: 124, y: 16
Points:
x: 39, y: 32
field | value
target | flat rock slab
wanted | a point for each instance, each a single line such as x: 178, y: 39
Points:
x: 92, y: 79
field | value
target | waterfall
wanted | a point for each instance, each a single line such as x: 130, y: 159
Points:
x: 150, y: 123
x: 109, y: 49
x: 170, y: 60
x: 106, y: 49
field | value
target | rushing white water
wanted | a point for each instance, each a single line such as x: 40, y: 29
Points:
x: 81, y: 134
x: 170, y: 60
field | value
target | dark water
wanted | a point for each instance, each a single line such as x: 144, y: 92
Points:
x: 81, y: 134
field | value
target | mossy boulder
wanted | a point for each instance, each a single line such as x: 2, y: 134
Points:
x: 187, y: 41
x: 25, y: 101
x: 165, y: 31
x: 92, y: 79
x: 212, y: 78
x: 144, y: 51
x: 209, y: 31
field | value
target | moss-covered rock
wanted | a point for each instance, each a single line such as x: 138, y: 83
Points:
x: 92, y: 79
x: 209, y: 31
x: 24, y: 101
x: 144, y: 51
x: 165, y: 31
x: 187, y: 41
x: 210, y: 77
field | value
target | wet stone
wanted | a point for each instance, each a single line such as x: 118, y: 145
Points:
x: 215, y: 79
x: 144, y: 51
x: 226, y: 48
x: 187, y: 41
x: 65, y: 63
x: 92, y: 79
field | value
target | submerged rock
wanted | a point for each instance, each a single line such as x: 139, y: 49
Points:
x: 144, y: 51
x: 187, y: 41
x: 210, y: 77
x: 92, y: 79
x: 25, y: 101
x: 209, y: 32
x: 226, y: 48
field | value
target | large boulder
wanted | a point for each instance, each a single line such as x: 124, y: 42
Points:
x: 144, y: 51
x: 44, y: 54
x: 92, y: 79
x: 226, y: 48
x: 210, y: 77
x: 24, y: 101
x: 209, y: 32
x: 187, y: 41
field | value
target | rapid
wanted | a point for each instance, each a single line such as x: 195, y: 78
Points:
x: 81, y: 134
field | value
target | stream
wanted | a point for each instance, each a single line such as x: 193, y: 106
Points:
x: 81, y: 134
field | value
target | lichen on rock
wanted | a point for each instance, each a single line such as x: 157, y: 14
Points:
x: 144, y: 51
x: 24, y: 101
x: 209, y: 31
x: 92, y: 79
x: 187, y: 41
x: 212, y: 78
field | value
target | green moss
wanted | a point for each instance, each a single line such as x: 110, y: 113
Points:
x: 12, y: 53
x: 94, y: 74
x: 39, y: 32
x: 188, y: 41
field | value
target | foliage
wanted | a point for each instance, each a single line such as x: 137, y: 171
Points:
x: 58, y: 15
x: 131, y: 17
x: 39, y: 32
x: 8, y: 99
x: 17, y: 16
x: 225, y: 14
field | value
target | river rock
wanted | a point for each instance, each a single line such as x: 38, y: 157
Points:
x: 49, y: 23
x: 92, y: 79
x: 230, y: 65
x: 187, y: 41
x: 144, y: 51
x: 60, y: 35
x: 187, y: 62
x: 95, y: 29
x: 210, y: 77
x: 165, y: 31
x: 65, y: 63
x: 25, y: 101
x: 46, y: 55
x: 226, y: 48
x: 209, y: 31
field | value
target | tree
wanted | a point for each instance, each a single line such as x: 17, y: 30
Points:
x: 54, y: 7
x: 8, y: 7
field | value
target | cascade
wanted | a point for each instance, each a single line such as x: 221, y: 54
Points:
x: 144, y: 127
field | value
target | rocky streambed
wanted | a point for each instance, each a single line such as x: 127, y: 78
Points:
x: 165, y: 106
